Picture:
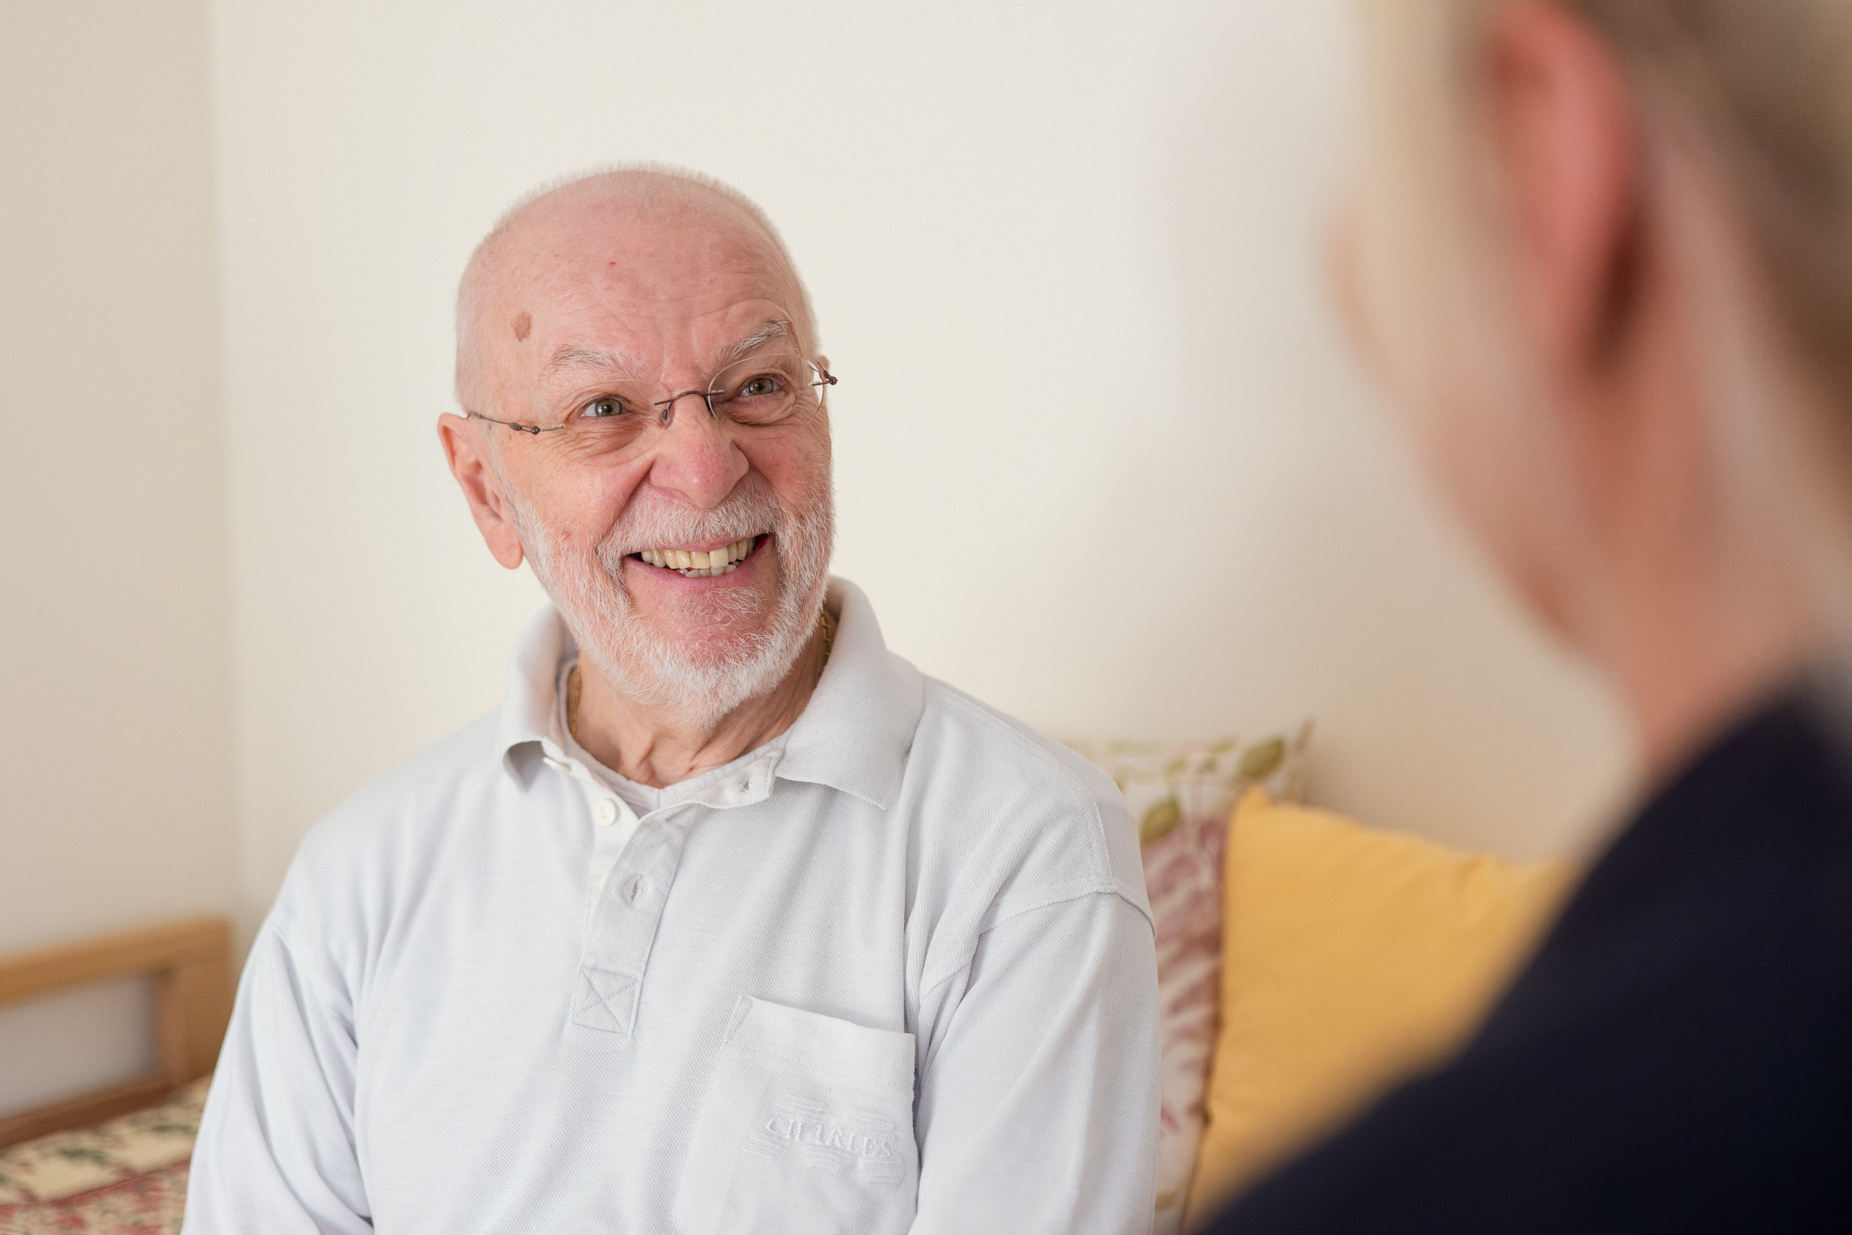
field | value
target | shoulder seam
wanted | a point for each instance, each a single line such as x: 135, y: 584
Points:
x: 1058, y: 896
x: 1096, y: 835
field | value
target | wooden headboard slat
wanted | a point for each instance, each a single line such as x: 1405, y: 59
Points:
x: 27, y: 975
x: 190, y: 963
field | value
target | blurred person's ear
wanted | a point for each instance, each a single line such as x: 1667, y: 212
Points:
x: 1564, y: 130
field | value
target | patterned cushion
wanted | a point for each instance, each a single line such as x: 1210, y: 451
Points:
x: 1181, y: 796
x: 124, y: 1177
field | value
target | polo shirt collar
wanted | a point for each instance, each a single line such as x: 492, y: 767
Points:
x: 530, y: 711
x: 853, y: 735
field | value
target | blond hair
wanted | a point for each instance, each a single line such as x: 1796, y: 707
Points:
x: 1753, y: 100
x: 1768, y: 83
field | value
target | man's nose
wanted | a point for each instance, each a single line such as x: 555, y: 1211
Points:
x: 695, y: 455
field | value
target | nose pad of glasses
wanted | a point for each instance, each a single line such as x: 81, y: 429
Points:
x: 665, y: 410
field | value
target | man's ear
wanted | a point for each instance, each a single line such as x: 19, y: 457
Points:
x: 1565, y: 130
x: 465, y: 449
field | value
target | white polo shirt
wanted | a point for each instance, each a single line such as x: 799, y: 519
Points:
x: 892, y: 971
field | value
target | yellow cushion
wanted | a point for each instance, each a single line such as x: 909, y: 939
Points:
x: 1350, y: 959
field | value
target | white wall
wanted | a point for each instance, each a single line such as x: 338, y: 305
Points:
x: 115, y: 662
x: 1101, y: 458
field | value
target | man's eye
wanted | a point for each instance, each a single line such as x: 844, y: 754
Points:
x: 599, y: 409
x: 759, y: 387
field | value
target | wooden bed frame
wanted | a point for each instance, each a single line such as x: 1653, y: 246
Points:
x: 190, y: 963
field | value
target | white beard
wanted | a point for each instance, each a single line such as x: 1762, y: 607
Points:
x: 698, y: 683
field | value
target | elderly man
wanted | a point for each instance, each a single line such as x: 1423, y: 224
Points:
x: 728, y: 920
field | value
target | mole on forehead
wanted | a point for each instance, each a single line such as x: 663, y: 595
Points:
x: 523, y: 326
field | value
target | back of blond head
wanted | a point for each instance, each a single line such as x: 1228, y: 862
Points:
x: 1765, y: 84
x: 1769, y: 83
x: 1745, y: 125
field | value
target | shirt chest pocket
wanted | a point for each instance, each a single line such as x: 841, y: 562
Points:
x: 807, y: 1127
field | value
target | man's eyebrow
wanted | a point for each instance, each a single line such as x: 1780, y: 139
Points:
x: 572, y: 356
x: 752, y: 343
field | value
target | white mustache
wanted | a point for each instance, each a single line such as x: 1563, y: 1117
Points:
x: 745, y: 512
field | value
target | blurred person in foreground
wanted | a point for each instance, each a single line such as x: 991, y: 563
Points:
x: 728, y: 920
x: 1601, y: 258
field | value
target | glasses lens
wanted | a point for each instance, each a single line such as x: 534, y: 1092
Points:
x: 760, y: 390
x: 763, y: 390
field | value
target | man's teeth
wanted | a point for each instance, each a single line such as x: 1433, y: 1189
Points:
x: 696, y: 565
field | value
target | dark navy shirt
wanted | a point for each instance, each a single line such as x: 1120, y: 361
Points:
x: 1676, y: 1057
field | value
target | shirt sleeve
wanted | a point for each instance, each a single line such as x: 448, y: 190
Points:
x: 276, y: 1143
x: 1038, y: 1100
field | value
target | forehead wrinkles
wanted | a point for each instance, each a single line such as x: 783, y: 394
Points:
x: 597, y: 356
x: 615, y: 325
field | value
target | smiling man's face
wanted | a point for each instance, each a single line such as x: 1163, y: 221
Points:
x: 691, y: 560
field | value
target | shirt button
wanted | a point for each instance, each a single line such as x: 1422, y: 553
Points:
x: 606, y: 812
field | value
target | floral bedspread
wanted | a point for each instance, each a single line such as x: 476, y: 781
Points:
x: 124, y: 1177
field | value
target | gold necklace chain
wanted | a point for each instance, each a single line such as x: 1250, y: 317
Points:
x: 572, y: 703
x: 574, y: 682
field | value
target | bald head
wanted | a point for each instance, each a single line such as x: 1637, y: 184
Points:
x: 617, y: 227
